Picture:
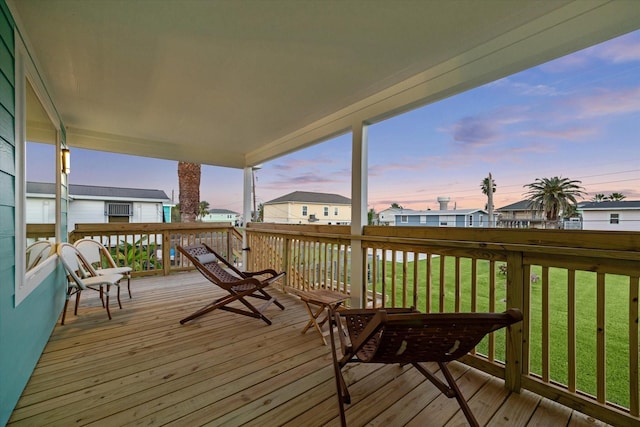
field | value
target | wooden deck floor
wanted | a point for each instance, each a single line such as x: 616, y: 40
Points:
x: 144, y: 368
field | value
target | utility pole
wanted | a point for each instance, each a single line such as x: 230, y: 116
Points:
x: 490, y: 200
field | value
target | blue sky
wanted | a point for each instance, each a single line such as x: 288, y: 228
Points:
x: 577, y: 117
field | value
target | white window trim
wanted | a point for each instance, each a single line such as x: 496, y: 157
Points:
x: 25, y: 283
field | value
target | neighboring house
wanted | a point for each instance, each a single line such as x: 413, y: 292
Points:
x: 620, y: 215
x: 95, y: 204
x: 388, y: 216
x: 469, y: 218
x: 305, y: 207
x: 221, y: 215
x: 520, y: 215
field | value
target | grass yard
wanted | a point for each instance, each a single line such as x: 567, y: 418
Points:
x: 616, y: 315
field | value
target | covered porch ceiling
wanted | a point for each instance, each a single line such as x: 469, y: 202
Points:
x: 237, y: 83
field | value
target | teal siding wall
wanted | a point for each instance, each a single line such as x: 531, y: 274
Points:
x: 24, y: 330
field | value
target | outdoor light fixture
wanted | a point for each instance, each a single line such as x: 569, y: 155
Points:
x: 66, y: 160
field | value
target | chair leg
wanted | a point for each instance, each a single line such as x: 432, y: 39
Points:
x: 119, y: 303
x: 107, y: 302
x: 341, y: 387
x: 461, y: 401
x: 66, y: 303
x: 75, y: 311
x: 129, y: 285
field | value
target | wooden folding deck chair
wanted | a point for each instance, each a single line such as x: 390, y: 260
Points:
x: 406, y: 336
x: 239, y: 284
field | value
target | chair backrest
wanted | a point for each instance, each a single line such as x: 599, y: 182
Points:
x: 37, y: 252
x: 209, y: 266
x: 76, y: 265
x: 94, y: 252
x: 418, y: 337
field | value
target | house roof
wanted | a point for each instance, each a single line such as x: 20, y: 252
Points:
x: 310, y: 197
x: 522, y: 205
x: 238, y: 83
x: 222, y: 211
x: 98, y: 192
x: 608, y: 205
x: 449, y: 212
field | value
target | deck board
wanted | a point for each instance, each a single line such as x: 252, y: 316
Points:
x: 144, y: 367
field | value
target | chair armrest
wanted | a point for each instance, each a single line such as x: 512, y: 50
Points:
x: 344, y: 346
x: 258, y: 273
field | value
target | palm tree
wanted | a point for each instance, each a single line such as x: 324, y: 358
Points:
x: 189, y: 184
x: 599, y: 197
x: 395, y: 205
x: 554, y: 195
x: 615, y: 197
x: 203, y: 209
x: 488, y: 186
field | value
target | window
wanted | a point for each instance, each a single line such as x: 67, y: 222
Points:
x: 119, y: 209
x: 423, y: 219
x: 326, y: 211
x: 304, y: 211
x: 614, y: 219
x: 118, y: 212
x: 335, y: 211
x: 404, y: 218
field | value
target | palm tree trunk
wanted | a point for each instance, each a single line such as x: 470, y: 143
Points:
x: 189, y: 184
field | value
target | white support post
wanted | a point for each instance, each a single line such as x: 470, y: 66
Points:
x: 359, y: 178
x: 246, y: 210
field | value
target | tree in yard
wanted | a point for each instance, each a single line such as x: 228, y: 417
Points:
x: 189, y: 184
x: 175, y: 213
x: 488, y: 186
x: 371, y: 215
x: 394, y: 205
x: 615, y: 197
x: 554, y: 195
x: 260, y: 214
x: 203, y: 209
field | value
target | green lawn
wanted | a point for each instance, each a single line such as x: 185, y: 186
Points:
x: 617, y: 312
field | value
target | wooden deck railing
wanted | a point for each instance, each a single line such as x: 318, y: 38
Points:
x: 578, y: 291
x: 150, y: 248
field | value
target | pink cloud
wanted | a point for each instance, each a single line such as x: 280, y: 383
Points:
x: 607, y: 103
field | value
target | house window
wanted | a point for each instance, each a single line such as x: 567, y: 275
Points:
x: 423, y: 219
x: 118, y: 212
x: 614, y: 219
x: 335, y: 211
x: 404, y: 218
x: 326, y: 211
x: 304, y: 211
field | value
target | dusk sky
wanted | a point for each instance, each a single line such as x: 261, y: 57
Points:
x: 577, y: 117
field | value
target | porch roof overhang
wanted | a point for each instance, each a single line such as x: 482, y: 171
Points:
x: 236, y: 84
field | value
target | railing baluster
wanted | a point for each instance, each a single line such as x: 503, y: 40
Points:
x: 601, y: 342
x: 457, y: 289
x: 545, y: 325
x: 571, y: 330
x: 429, y: 283
x: 442, y: 283
x: 416, y: 263
x: 634, y: 403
